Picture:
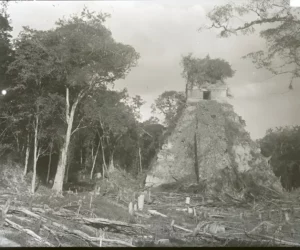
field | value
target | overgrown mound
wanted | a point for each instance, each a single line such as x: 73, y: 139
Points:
x: 119, y: 181
x: 12, y: 180
x: 211, y: 151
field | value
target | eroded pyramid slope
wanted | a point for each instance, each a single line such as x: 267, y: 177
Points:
x: 227, y: 157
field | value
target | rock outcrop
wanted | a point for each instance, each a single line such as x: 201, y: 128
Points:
x: 227, y: 158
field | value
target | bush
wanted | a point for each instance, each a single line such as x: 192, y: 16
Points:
x: 283, y: 144
x: 12, y: 178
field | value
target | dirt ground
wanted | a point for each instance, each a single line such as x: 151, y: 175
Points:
x: 83, y: 217
x: 59, y: 221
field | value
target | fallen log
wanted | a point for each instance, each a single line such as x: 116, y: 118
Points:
x: 26, y: 212
x: 278, y: 241
x: 27, y: 231
x: 179, y: 227
x: 52, y: 222
x: 88, y: 237
x: 23, y: 219
x: 53, y: 233
x: 154, y: 212
x: 107, y: 222
x: 119, y: 242
x: 245, y: 242
x: 4, y: 211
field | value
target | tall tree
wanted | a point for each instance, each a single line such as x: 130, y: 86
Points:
x: 6, y: 52
x: 282, y: 145
x: 90, y: 57
x: 199, y: 71
x: 136, y: 103
x: 151, y: 139
x: 9, y: 140
x: 112, y: 118
x: 82, y: 55
x: 30, y: 70
x: 279, y: 25
x: 169, y: 103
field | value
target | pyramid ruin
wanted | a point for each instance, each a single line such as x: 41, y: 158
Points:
x: 210, y: 147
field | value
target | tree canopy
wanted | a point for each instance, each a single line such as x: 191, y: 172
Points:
x: 199, y: 71
x: 6, y: 51
x: 279, y: 25
x: 283, y: 146
x: 57, y: 72
x: 60, y: 107
x: 169, y: 103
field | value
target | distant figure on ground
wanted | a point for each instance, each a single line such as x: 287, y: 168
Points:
x: 50, y: 183
x: 98, y: 176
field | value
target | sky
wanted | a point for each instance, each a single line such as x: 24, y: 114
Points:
x: 163, y: 31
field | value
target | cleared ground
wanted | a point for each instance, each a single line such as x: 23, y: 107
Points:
x: 88, y: 219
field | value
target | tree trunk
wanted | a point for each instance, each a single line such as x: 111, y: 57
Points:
x: 83, y: 154
x: 94, y: 160
x: 104, y: 167
x: 81, y: 160
x: 92, y: 153
x: 66, y: 178
x: 35, y: 154
x: 69, y: 161
x: 61, y: 168
x: 92, y: 157
x: 196, y: 164
x: 111, y: 166
x: 27, y: 155
x: 196, y: 158
x: 186, y: 90
x: 49, y: 165
x: 18, y: 144
x: 140, y: 160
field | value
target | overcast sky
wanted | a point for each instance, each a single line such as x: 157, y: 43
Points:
x: 163, y: 31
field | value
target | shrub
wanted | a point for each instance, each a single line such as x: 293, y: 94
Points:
x: 12, y: 178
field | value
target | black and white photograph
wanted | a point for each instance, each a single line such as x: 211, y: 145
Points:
x: 150, y: 123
